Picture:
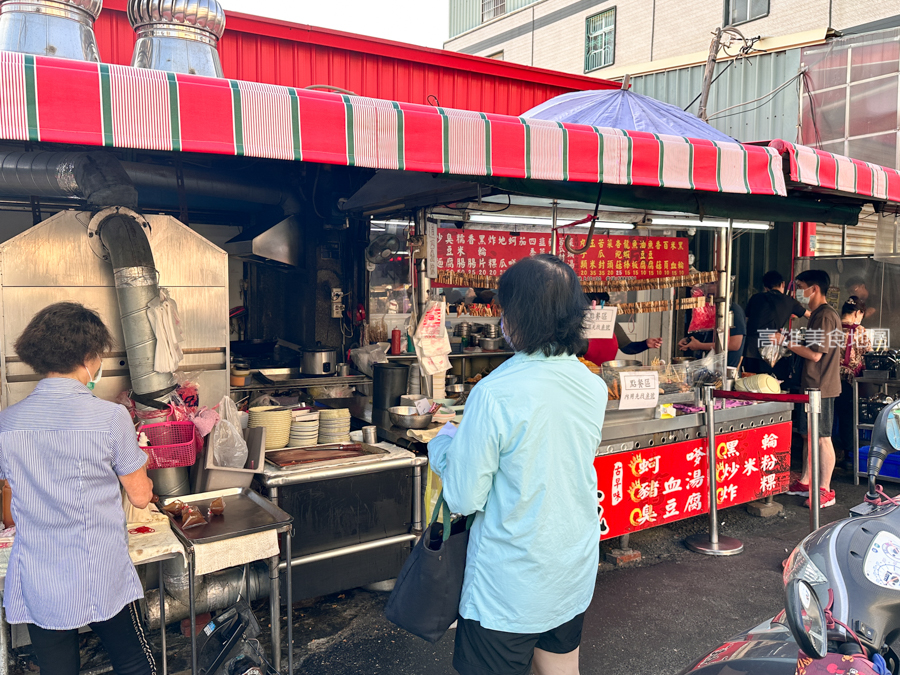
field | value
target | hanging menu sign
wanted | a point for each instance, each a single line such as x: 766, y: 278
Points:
x: 486, y: 252
x: 626, y: 256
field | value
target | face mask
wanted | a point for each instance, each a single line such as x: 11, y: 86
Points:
x: 505, y: 334
x: 801, y: 298
x: 96, y: 379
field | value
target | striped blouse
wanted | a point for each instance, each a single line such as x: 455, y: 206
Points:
x: 62, y: 450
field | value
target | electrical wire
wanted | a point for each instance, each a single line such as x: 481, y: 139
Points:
x: 812, y: 108
x: 771, y: 94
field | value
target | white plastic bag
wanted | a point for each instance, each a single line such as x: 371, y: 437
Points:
x: 229, y: 447
x: 366, y: 357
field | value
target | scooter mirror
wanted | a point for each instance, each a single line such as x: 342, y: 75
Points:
x: 885, y: 440
x: 806, y: 618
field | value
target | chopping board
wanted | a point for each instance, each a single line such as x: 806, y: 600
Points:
x: 321, y: 453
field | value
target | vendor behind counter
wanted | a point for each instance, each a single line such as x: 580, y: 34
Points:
x: 600, y: 350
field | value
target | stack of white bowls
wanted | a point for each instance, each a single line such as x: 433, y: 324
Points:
x: 277, y: 423
x: 334, y: 425
x: 304, y: 428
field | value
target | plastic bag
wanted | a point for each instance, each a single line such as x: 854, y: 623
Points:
x: 229, y: 447
x: 772, y: 353
x: 711, y: 369
x: 366, y: 357
x: 702, y: 318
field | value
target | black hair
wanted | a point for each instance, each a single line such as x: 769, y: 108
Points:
x: 543, y: 306
x: 818, y: 278
x: 62, y: 337
x: 853, y: 282
x: 772, y: 279
x: 852, y: 305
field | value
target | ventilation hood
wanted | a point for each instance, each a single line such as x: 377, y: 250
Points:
x: 61, y: 28
x: 179, y: 36
x: 281, y: 244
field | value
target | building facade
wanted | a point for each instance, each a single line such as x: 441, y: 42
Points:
x: 605, y: 37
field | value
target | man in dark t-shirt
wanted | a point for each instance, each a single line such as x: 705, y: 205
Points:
x: 821, y: 370
x: 767, y: 312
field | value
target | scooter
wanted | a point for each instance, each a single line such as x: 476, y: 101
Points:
x: 842, y: 592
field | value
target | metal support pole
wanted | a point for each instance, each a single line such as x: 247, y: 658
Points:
x: 554, y: 214
x: 275, y: 597
x: 712, y: 543
x: 855, y: 404
x: 423, y: 283
x: 193, y: 607
x: 162, y: 618
x: 290, y: 601
x: 418, y: 505
x: 721, y: 342
x: 4, y: 640
x: 813, y: 410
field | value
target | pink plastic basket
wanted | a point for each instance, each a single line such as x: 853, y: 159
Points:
x: 172, y: 444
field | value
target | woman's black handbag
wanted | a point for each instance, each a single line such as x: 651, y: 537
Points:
x: 425, y: 599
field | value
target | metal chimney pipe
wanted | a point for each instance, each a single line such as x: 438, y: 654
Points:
x: 62, y: 28
x: 180, y: 36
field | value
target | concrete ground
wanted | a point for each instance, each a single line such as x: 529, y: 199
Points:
x: 654, y: 618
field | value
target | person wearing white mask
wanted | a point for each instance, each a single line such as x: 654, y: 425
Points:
x: 65, y: 453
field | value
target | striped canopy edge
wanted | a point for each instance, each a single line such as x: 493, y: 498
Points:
x: 44, y: 99
x: 818, y: 168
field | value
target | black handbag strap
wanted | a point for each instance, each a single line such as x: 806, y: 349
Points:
x: 441, y: 507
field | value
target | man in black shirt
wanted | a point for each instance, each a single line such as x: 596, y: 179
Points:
x: 767, y: 312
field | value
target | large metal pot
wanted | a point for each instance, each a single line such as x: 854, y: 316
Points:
x: 319, y: 361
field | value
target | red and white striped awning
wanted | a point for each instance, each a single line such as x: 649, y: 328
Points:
x: 819, y: 169
x: 61, y: 101
x: 56, y: 100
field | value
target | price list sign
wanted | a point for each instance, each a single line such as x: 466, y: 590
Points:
x: 621, y: 256
x: 649, y: 487
x: 486, y: 252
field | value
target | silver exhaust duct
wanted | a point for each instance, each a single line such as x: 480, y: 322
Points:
x: 62, y: 28
x: 180, y: 36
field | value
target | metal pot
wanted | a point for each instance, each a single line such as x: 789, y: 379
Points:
x: 319, y: 361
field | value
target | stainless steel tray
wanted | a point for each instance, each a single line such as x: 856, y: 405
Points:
x: 246, y: 512
x: 369, y: 451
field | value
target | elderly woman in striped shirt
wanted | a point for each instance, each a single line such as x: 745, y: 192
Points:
x: 65, y: 453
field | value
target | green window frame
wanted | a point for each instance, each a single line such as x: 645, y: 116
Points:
x: 600, y: 40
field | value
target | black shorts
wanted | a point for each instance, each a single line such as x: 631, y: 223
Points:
x: 826, y: 419
x: 481, y: 651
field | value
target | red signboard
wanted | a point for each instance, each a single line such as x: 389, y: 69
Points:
x: 623, y: 256
x: 486, y: 252
x: 644, y: 488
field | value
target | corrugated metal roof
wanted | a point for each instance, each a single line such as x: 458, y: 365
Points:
x: 747, y: 79
x: 277, y: 52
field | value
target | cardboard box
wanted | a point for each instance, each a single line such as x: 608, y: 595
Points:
x: 209, y: 477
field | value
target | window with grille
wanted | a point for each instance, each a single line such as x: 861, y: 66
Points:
x: 742, y: 11
x: 491, y: 9
x: 600, y: 40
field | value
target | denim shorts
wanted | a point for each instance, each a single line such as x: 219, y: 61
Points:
x: 826, y: 419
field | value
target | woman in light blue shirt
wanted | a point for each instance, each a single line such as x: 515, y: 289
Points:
x: 65, y: 453
x: 522, y: 461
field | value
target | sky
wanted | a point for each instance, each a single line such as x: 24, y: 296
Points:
x: 421, y: 22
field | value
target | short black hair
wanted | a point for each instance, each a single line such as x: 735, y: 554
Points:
x: 543, y: 306
x: 853, y: 305
x: 62, y: 337
x: 772, y: 279
x: 853, y: 282
x: 818, y: 278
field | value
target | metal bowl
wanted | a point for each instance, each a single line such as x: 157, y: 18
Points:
x: 622, y: 363
x: 458, y: 388
x: 491, y: 344
x: 407, y: 417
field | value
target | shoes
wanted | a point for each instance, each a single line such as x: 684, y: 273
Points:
x: 798, y: 488
x: 826, y: 498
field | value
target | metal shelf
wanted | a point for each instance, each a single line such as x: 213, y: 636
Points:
x: 462, y: 355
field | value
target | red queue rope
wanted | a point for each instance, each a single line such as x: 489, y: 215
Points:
x: 751, y: 396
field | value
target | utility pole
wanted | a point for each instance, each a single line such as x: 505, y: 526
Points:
x: 708, y: 74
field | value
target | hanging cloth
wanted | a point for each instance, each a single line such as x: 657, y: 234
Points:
x: 163, y: 314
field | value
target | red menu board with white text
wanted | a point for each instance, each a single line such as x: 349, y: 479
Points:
x: 624, y: 256
x: 645, y: 488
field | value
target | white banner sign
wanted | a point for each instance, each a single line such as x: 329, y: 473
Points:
x: 639, y: 390
x: 600, y: 322
x: 431, y: 248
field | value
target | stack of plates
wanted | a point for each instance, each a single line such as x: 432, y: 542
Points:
x: 334, y: 426
x: 277, y: 423
x: 304, y: 429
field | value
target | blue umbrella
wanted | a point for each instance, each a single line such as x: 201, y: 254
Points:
x: 623, y: 109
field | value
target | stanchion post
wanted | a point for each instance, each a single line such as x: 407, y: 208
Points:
x: 712, y: 543
x: 813, y: 411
